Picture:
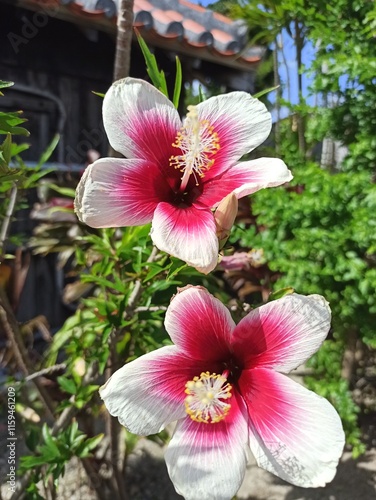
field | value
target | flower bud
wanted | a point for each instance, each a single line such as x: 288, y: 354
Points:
x: 224, y: 218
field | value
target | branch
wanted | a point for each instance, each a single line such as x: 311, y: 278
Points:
x: 46, y: 371
x: 8, y: 215
x: 60, y: 425
x: 113, y: 427
x: 10, y: 326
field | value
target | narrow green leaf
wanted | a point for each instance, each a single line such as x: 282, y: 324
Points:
x: 73, y: 431
x: 11, y: 177
x: 16, y: 149
x: 201, y: 94
x: 278, y: 294
x: 63, y: 190
x: 266, y: 91
x: 157, y: 77
x: 90, y: 444
x: 6, y: 148
x: 176, y: 266
x: 100, y: 94
x: 178, y: 83
x: 4, y: 84
x: 45, y: 156
x: 49, y: 440
x: 5, y: 129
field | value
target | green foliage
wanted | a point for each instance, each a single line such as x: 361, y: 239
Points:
x: 55, y: 451
x: 318, y: 234
x: 344, y: 72
x: 157, y: 76
x: 326, y: 365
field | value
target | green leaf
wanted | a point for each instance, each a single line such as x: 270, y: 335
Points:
x: 4, y: 84
x: 6, y: 149
x: 266, y: 91
x: 278, y: 294
x: 67, y: 385
x: 178, y: 83
x: 45, y: 156
x: 100, y: 94
x: 9, y: 123
x: 29, y: 462
x: 176, y: 266
x: 89, y: 445
x: 156, y: 76
x: 69, y: 192
x: 50, y: 442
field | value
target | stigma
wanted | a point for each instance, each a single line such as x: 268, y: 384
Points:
x: 198, y: 142
x: 206, y: 398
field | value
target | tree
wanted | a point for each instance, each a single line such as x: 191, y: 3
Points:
x: 123, y: 39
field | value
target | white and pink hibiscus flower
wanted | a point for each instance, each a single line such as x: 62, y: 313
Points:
x: 175, y: 173
x: 225, y: 384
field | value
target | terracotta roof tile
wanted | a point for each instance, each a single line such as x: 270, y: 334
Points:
x: 196, y: 27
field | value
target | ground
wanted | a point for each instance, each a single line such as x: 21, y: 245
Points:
x: 147, y: 479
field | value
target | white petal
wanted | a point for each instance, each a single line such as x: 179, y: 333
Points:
x: 246, y: 178
x: 148, y: 393
x: 139, y: 120
x: 187, y: 233
x: 199, y: 324
x: 208, y: 461
x: 262, y: 173
x: 283, y: 333
x: 241, y: 122
x: 294, y: 433
x: 117, y: 192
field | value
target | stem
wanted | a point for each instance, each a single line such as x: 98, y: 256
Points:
x: 123, y: 39
x: 10, y: 326
x: 277, y: 83
x: 61, y: 424
x: 113, y: 427
x: 46, y: 371
x: 6, y: 222
x: 299, y: 41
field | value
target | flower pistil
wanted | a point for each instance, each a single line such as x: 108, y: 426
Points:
x: 205, y: 398
x: 198, y: 142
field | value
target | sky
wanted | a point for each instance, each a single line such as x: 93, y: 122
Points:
x: 290, y: 56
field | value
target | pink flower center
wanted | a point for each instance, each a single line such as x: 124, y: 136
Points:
x: 206, y: 395
x: 198, y: 143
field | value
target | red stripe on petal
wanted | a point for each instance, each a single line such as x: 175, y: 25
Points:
x: 187, y: 233
x: 294, y: 433
x: 244, y: 179
x: 200, y: 325
x: 118, y: 192
x: 149, y: 392
x: 241, y: 122
x: 208, y: 461
x: 282, y: 334
x: 140, y: 121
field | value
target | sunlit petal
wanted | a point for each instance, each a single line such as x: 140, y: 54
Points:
x: 140, y: 121
x: 199, y: 324
x: 284, y: 333
x: 148, y: 393
x: 207, y: 461
x: 187, y: 233
x: 294, y: 433
x: 113, y: 193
